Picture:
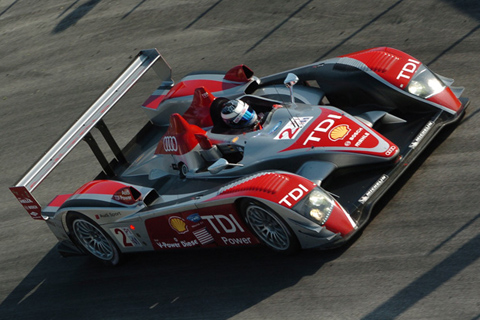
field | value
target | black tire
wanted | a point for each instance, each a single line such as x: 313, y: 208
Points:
x: 93, y: 240
x: 269, y: 227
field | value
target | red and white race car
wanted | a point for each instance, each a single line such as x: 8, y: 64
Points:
x: 327, y: 140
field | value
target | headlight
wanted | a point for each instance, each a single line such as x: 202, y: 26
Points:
x: 318, y: 205
x: 425, y: 84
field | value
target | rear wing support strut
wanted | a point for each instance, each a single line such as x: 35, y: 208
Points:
x: 107, y: 168
x: 99, y: 154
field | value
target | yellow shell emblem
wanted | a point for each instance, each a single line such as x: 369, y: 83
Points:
x: 178, y: 224
x: 339, y: 132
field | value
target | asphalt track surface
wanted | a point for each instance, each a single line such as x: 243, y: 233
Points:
x: 417, y: 259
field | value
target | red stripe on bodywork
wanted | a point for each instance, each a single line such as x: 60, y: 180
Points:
x: 100, y: 187
x: 59, y: 200
x: 153, y: 101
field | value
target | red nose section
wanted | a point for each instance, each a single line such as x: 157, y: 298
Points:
x: 340, y: 222
x: 179, y: 138
x: 448, y: 99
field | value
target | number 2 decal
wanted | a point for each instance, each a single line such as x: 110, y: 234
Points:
x: 126, y: 237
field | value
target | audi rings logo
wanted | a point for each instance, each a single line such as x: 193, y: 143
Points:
x: 170, y: 144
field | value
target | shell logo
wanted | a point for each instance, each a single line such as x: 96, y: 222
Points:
x: 339, y: 132
x: 178, y: 224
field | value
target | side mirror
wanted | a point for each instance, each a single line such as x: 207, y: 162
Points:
x: 218, y: 166
x: 221, y: 164
x: 290, y: 80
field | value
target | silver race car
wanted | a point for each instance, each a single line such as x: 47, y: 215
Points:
x: 293, y: 160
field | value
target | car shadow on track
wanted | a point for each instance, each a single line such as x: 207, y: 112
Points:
x: 195, y: 284
x: 73, y: 17
x: 428, y: 282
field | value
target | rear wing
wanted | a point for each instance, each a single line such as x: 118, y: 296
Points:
x: 80, y: 130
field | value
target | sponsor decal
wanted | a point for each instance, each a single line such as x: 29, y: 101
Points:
x: 207, y: 227
x: 275, y: 128
x: 126, y: 237
x: 223, y: 224
x: 390, y: 150
x: 176, y: 245
x: 170, y: 144
x: 294, y: 195
x: 32, y: 208
x: 374, y: 188
x: 230, y: 232
x: 28, y: 202
x: 322, y: 127
x: 236, y: 241
x: 421, y: 135
x: 178, y: 224
x: 339, y: 132
x: 360, y: 141
x: 107, y: 215
x: 408, y: 70
x: 124, y: 195
x: 355, y: 134
x: 202, y: 234
x: 292, y: 128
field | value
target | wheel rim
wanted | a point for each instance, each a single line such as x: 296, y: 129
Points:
x: 93, y: 239
x: 268, y: 227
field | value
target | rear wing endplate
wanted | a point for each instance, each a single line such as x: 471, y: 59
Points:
x: 92, y: 118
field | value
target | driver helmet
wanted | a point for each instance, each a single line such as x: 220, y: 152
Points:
x: 238, y: 114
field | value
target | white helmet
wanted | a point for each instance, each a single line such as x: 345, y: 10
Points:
x: 238, y: 114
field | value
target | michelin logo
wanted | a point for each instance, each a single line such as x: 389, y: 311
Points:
x: 372, y: 190
x: 421, y: 135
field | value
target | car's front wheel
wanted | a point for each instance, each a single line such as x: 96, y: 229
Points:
x: 93, y: 239
x: 269, y: 227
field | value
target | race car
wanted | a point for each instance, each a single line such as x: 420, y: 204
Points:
x: 321, y: 144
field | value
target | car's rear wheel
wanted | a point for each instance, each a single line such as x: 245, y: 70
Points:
x: 93, y: 239
x: 269, y: 227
